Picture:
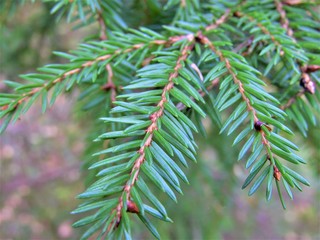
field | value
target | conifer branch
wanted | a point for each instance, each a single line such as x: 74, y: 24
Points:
x: 165, y: 75
x: 11, y: 107
x: 263, y: 29
x: 257, y: 123
x: 296, y: 58
x: 208, y: 43
x: 150, y: 132
x: 305, y: 82
x: 52, y: 83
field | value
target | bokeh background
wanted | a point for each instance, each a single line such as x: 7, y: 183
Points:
x: 42, y: 155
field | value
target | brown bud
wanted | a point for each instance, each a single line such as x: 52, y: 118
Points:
x: 276, y: 173
x: 237, y: 14
x: 197, y: 39
x: 258, y: 125
x: 132, y: 207
x: 312, y: 68
x: 307, y: 83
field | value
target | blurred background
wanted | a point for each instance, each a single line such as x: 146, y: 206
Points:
x: 42, y: 154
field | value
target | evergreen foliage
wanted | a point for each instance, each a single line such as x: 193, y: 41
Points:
x: 155, y: 71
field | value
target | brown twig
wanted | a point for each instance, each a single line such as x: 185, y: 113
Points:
x: 292, y: 100
x: 110, y: 85
x: 150, y: 131
x: 103, y: 27
x: 284, y: 19
x: 219, y: 21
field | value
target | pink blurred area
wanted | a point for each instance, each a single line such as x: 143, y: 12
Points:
x: 40, y: 174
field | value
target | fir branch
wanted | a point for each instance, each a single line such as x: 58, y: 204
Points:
x: 25, y: 96
x: 13, y: 105
x: 257, y: 123
x: 162, y: 76
x: 52, y: 83
x: 150, y: 132
x: 208, y: 43
x: 306, y: 82
x: 275, y: 146
x: 263, y: 29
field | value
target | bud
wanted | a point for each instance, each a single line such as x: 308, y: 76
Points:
x: 276, y: 173
x: 132, y: 207
x: 258, y: 125
x: 307, y: 83
x: 312, y: 68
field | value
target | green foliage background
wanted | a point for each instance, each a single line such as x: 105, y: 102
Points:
x: 212, y: 206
